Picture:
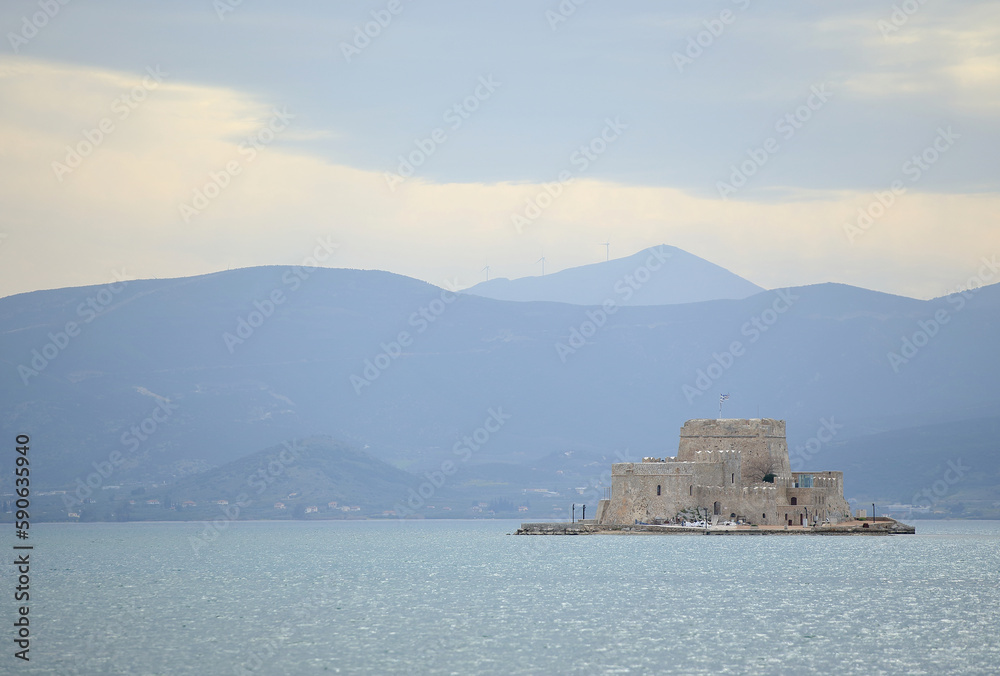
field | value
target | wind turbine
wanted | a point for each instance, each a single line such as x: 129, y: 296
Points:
x: 542, y: 261
x: 607, y: 250
x: 487, y: 269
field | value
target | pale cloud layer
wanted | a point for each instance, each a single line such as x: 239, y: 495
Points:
x: 120, y: 208
x: 954, y: 56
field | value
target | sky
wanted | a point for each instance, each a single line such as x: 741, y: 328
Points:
x: 791, y: 143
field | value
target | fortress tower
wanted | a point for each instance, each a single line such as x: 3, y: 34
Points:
x: 760, y: 442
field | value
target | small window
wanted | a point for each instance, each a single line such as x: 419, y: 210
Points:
x: 795, y: 501
x: 690, y: 490
x: 657, y: 489
x: 763, y: 516
x: 733, y: 480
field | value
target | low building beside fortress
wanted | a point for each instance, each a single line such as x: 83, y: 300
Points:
x: 733, y: 469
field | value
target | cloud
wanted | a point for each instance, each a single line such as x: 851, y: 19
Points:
x: 120, y: 208
x: 953, y: 50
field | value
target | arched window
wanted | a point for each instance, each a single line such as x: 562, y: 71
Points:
x: 657, y: 489
x: 716, y: 509
x: 795, y: 501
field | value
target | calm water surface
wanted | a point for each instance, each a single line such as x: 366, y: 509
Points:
x: 466, y: 598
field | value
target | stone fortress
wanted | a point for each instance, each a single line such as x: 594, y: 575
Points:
x: 725, y: 470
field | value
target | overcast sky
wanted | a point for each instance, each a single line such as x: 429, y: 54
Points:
x: 538, y: 131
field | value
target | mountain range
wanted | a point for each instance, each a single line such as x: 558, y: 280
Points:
x: 157, y: 382
x: 660, y: 275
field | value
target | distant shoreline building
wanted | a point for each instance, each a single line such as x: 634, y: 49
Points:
x: 726, y: 469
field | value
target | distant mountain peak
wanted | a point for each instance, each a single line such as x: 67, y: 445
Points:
x: 659, y: 275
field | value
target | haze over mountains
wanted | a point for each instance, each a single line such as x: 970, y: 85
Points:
x: 180, y: 376
x: 660, y: 275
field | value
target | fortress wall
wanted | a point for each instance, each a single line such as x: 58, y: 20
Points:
x: 682, y: 485
x: 718, y: 468
x: 830, y: 502
x: 759, y: 504
x: 824, y: 499
x: 602, y: 511
x: 634, y: 495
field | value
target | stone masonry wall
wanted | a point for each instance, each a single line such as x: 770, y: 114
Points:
x: 761, y: 441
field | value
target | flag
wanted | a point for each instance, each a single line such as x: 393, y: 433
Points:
x: 723, y: 397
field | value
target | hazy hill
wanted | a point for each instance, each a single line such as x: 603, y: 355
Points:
x: 661, y: 275
x: 153, y: 375
x: 951, y: 467
x: 309, y: 472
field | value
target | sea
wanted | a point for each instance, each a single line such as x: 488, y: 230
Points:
x: 469, y: 597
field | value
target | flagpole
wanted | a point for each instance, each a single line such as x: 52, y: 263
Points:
x: 722, y: 398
